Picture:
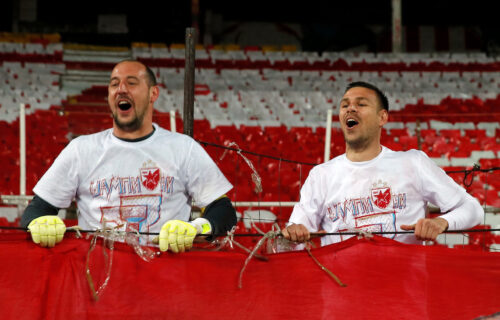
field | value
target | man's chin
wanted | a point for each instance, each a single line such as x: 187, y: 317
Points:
x: 356, y: 144
x: 127, y: 126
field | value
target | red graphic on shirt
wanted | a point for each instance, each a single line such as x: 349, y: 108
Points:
x: 150, y: 177
x: 381, y: 197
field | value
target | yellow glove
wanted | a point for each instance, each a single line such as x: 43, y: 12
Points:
x: 179, y: 235
x: 47, y: 230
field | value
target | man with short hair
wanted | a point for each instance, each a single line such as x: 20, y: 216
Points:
x: 136, y: 176
x: 372, y: 188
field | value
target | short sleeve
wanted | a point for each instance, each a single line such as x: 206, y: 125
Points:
x: 59, y: 184
x: 205, y: 181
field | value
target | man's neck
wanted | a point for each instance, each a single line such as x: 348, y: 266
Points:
x: 363, y: 154
x: 137, y: 135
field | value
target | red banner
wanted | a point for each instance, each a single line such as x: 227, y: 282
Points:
x: 384, y: 279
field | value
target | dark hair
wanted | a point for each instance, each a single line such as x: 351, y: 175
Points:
x: 150, y: 75
x: 381, y: 96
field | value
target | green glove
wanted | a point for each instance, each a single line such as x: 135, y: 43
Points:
x: 47, y: 230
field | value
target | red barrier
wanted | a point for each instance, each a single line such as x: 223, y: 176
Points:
x: 385, y: 279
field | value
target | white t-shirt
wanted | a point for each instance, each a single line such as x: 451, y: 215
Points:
x: 139, y: 184
x: 378, y: 195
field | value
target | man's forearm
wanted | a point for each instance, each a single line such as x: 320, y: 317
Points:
x: 467, y: 214
x: 221, y: 215
x: 37, y: 208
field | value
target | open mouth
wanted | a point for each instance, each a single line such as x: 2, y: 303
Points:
x: 124, y: 105
x: 351, y: 123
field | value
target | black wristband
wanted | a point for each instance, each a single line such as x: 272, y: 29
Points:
x: 37, y: 208
x: 221, y: 216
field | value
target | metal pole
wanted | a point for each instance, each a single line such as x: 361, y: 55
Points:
x: 22, y: 149
x: 397, y: 39
x: 328, y: 134
x: 189, y: 81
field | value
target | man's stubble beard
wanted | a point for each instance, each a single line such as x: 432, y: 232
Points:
x: 362, y: 142
x: 357, y: 144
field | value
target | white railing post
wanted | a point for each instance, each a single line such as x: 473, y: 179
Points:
x: 22, y: 149
x: 328, y: 134
x: 172, y: 121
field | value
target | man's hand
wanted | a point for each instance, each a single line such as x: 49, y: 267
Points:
x: 47, y: 230
x: 179, y: 235
x: 296, y: 232
x: 427, y: 229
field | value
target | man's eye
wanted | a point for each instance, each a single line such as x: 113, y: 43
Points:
x: 343, y: 106
x: 132, y: 83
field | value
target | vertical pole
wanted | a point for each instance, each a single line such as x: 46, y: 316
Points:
x: 172, y: 121
x: 189, y: 81
x: 397, y: 39
x: 22, y: 149
x: 328, y: 134
x: 419, y: 135
x: 195, y: 14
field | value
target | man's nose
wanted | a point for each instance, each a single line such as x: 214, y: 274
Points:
x: 351, y: 107
x: 122, y: 87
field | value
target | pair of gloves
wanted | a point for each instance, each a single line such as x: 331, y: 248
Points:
x: 175, y: 234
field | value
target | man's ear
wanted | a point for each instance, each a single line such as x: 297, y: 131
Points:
x: 154, y: 93
x: 383, y: 116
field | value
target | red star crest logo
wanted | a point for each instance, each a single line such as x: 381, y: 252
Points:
x: 150, y: 177
x: 381, y: 197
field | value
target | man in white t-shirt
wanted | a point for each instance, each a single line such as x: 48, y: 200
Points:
x: 372, y: 188
x: 136, y: 176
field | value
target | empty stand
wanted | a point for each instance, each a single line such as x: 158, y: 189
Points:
x: 269, y: 101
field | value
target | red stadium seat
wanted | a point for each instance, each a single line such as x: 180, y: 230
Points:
x: 475, y: 133
x: 399, y: 132
x: 408, y: 142
x: 442, y: 146
x: 450, y: 133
